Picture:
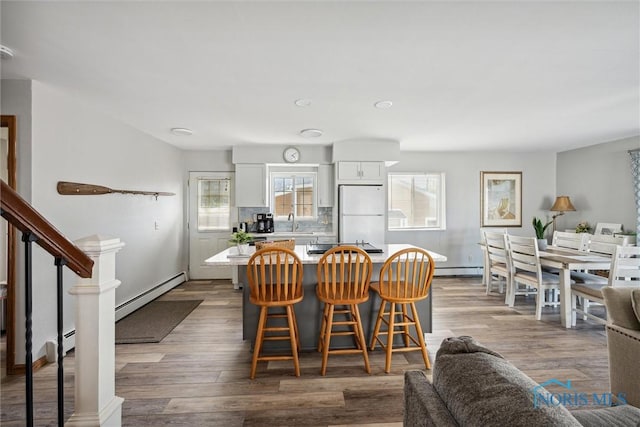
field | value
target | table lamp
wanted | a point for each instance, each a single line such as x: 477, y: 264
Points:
x: 561, y: 205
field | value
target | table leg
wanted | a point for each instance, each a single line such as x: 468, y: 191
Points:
x: 234, y: 278
x: 565, y: 297
x: 486, y: 277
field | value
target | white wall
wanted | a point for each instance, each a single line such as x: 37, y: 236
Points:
x: 459, y: 242
x: 74, y: 142
x: 598, y: 180
x: 16, y: 101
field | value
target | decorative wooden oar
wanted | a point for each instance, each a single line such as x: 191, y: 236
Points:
x: 79, y: 189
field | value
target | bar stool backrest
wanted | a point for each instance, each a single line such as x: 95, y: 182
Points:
x: 274, y: 275
x: 407, y: 275
x: 344, y: 273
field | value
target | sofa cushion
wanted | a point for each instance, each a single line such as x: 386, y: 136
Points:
x: 480, y: 388
x: 625, y: 415
x: 619, y: 307
x: 635, y: 302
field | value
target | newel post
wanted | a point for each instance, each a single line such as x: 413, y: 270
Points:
x: 95, y: 401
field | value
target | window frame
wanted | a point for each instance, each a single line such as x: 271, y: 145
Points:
x: 227, y: 226
x: 441, y: 208
x: 292, y: 173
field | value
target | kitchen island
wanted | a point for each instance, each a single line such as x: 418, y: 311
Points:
x: 309, y: 310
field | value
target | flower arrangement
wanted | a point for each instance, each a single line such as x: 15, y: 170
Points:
x: 583, y: 227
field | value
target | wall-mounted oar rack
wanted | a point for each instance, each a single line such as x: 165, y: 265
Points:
x: 79, y: 189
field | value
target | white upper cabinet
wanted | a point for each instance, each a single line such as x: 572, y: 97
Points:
x: 251, y: 185
x: 370, y: 172
x: 326, y: 188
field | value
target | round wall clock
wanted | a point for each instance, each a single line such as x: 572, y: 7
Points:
x: 291, y: 155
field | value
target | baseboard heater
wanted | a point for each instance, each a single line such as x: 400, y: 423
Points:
x: 458, y: 271
x: 149, y: 295
x: 69, y: 338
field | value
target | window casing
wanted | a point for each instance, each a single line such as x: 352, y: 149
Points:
x: 294, y: 192
x: 214, y: 204
x: 416, y: 201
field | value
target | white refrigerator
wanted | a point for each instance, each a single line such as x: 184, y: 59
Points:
x: 361, y: 214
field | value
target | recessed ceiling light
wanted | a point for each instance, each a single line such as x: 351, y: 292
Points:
x: 181, y: 131
x: 311, y: 133
x: 303, y: 102
x: 5, y: 52
x: 383, y: 104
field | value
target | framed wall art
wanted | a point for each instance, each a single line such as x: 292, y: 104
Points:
x: 501, y: 199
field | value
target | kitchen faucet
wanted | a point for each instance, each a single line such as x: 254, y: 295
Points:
x: 292, y: 217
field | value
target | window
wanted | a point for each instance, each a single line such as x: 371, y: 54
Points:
x: 416, y: 201
x: 214, y: 204
x: 293, y: 192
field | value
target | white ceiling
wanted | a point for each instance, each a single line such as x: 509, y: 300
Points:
x: 462, y: 75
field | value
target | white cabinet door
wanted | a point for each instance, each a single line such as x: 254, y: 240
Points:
x: 325, y: 186
x: 251, y: 186
x: 358, y: 172
x: 348, y: 170
x: 371, y: 170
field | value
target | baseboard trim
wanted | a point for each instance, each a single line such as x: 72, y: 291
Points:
x: 458, y: 271
x: 21, y: 369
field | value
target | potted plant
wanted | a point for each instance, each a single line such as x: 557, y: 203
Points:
x: 540, y: 229
x: 241, y: 239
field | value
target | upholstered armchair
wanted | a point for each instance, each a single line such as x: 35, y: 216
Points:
x: 623, y: 341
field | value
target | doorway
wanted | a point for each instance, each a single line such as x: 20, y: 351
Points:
x: 8, y: 171
x: 212, y: 212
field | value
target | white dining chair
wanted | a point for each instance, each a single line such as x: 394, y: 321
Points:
x: 589, y: 283
x: 498, y: 262
x: 526, y: 271
x: 564, y: 239
x: 625, y: 271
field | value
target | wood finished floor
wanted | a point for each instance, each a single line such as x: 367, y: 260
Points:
x: 198, y: 375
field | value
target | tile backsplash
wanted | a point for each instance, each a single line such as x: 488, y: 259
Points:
x: 323, y: 223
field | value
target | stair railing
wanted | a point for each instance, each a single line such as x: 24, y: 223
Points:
x: 36, y: 229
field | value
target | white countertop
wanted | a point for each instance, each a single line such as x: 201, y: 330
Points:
x: 230, y: 255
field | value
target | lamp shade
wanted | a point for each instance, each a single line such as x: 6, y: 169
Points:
x: 562, y: 204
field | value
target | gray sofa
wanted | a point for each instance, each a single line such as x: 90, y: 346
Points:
x: 623, y: 341
x: 474, y: 386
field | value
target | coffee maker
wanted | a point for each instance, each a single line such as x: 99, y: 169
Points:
x: 264, y: 223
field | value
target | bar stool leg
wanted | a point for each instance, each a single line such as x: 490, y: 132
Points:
x: 423, y: 345
x: 405, y: 318
x: 376, y: 329
x: 363, y: 344
x: 258, y: 344
x: 327, y: 339
x: 389, y: 348
x: 293, y: 338
x: 323, y: 326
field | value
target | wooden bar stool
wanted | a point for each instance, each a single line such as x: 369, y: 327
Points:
x: 404, y: 279
x: 275, y: 280
x: 344, y: 273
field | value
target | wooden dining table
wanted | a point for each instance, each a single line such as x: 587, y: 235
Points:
x: 566, y: 261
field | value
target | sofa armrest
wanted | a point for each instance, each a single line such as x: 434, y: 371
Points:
x: 423, y: 407
x: 624, y: 364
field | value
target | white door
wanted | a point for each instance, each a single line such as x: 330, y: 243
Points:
x: 212, y: 212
